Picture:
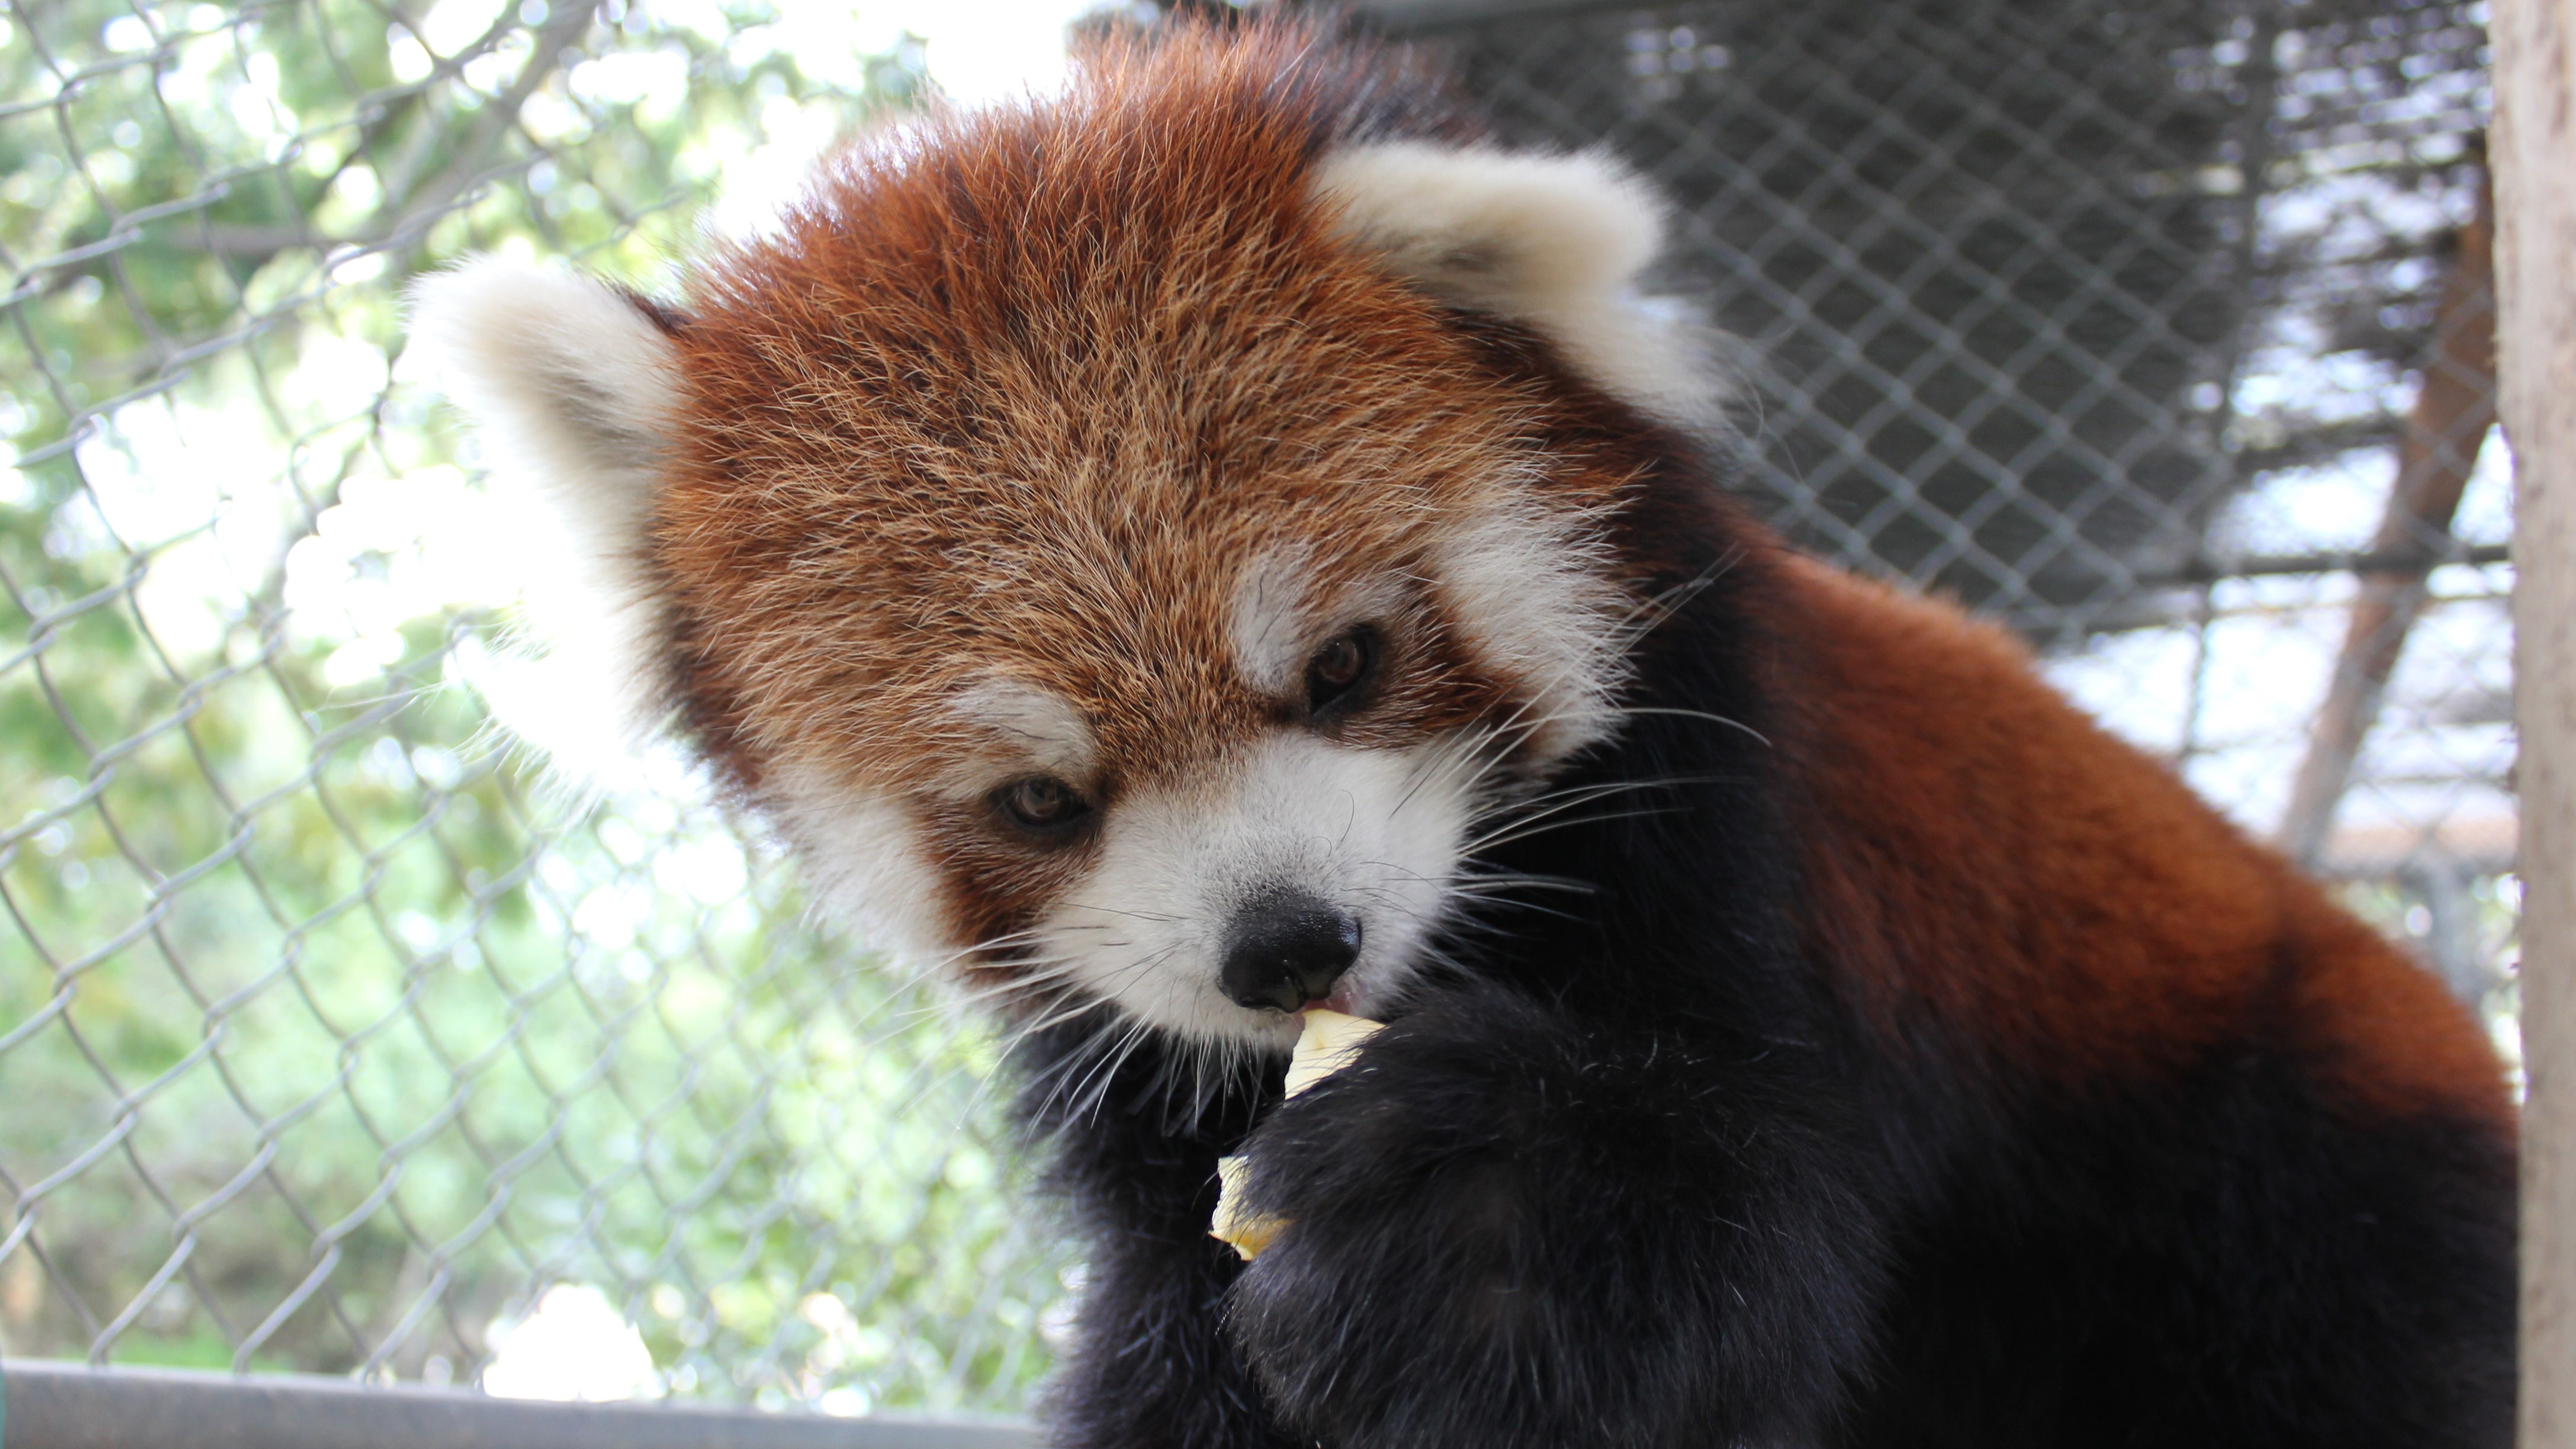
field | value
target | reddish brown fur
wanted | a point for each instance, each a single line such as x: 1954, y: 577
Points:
x: 2057, y: 898
x: 960, y: 318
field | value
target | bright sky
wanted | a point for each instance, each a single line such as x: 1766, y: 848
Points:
x: 574, y: 1346
x: 989, y: 49
x: 978, y: 51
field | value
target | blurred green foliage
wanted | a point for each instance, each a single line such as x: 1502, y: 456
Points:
x: 331, y: 1033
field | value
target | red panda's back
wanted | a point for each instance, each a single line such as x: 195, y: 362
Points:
x: 1988, y: 863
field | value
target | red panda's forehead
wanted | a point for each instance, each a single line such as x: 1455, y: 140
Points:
x: 1028, y: 397
x: 843, y: 599
x: 1080, y: 517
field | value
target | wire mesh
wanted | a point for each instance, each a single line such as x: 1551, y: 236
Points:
x: 334, y: 1037
x: 2160, y: 329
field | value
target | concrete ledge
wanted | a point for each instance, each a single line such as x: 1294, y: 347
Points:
x: 53, y: 1405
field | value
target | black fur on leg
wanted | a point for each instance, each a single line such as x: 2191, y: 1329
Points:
x: 2221, y: 1260
x: 1133, y: 1154
x: 1507, y: 1231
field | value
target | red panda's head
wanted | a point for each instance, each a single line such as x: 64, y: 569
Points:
x: 1130, y: 543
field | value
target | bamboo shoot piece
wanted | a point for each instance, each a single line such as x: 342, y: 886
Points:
x: 1327, y: 1044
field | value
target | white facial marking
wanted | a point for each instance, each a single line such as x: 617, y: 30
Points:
x: 1277, y: 620
x: 1268, y: 624
x: 862, y: 859
x: 1031, y: 729
x: 1375, y: 833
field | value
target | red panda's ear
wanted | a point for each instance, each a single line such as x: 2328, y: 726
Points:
x: 1555, y: 242
x: 573, y: 387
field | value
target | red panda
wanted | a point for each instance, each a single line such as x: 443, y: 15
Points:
x: 1230, y: 539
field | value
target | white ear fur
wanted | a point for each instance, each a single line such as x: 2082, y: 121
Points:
x: 574, y: 394
x: 1555, y: 242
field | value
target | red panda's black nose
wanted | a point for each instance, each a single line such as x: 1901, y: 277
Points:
x: 1287, y: 949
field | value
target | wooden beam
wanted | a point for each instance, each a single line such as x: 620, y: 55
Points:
x: 2455, y: 406
x: 2532, y: 148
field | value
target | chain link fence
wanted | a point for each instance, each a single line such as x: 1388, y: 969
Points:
x: 333, y: 1036
x: 2161, y: 329
x: 338, y: 1035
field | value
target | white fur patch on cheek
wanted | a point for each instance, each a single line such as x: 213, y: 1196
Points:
x: 863, y: 861
x: 1532, y: 596
x: 1375, y: 833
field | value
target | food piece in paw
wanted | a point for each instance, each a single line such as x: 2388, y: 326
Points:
x: 1246, y: 1233
x: 1323, y: 1048
x: 1326, y: 1046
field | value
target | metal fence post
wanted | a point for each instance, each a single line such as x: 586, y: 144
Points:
x: 2535, y: 132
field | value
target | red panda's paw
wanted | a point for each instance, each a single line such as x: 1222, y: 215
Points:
x: 1502, y: 1233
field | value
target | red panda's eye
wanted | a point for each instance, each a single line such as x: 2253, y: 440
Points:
x: 1341, y: 670
x: 1041, y: 802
